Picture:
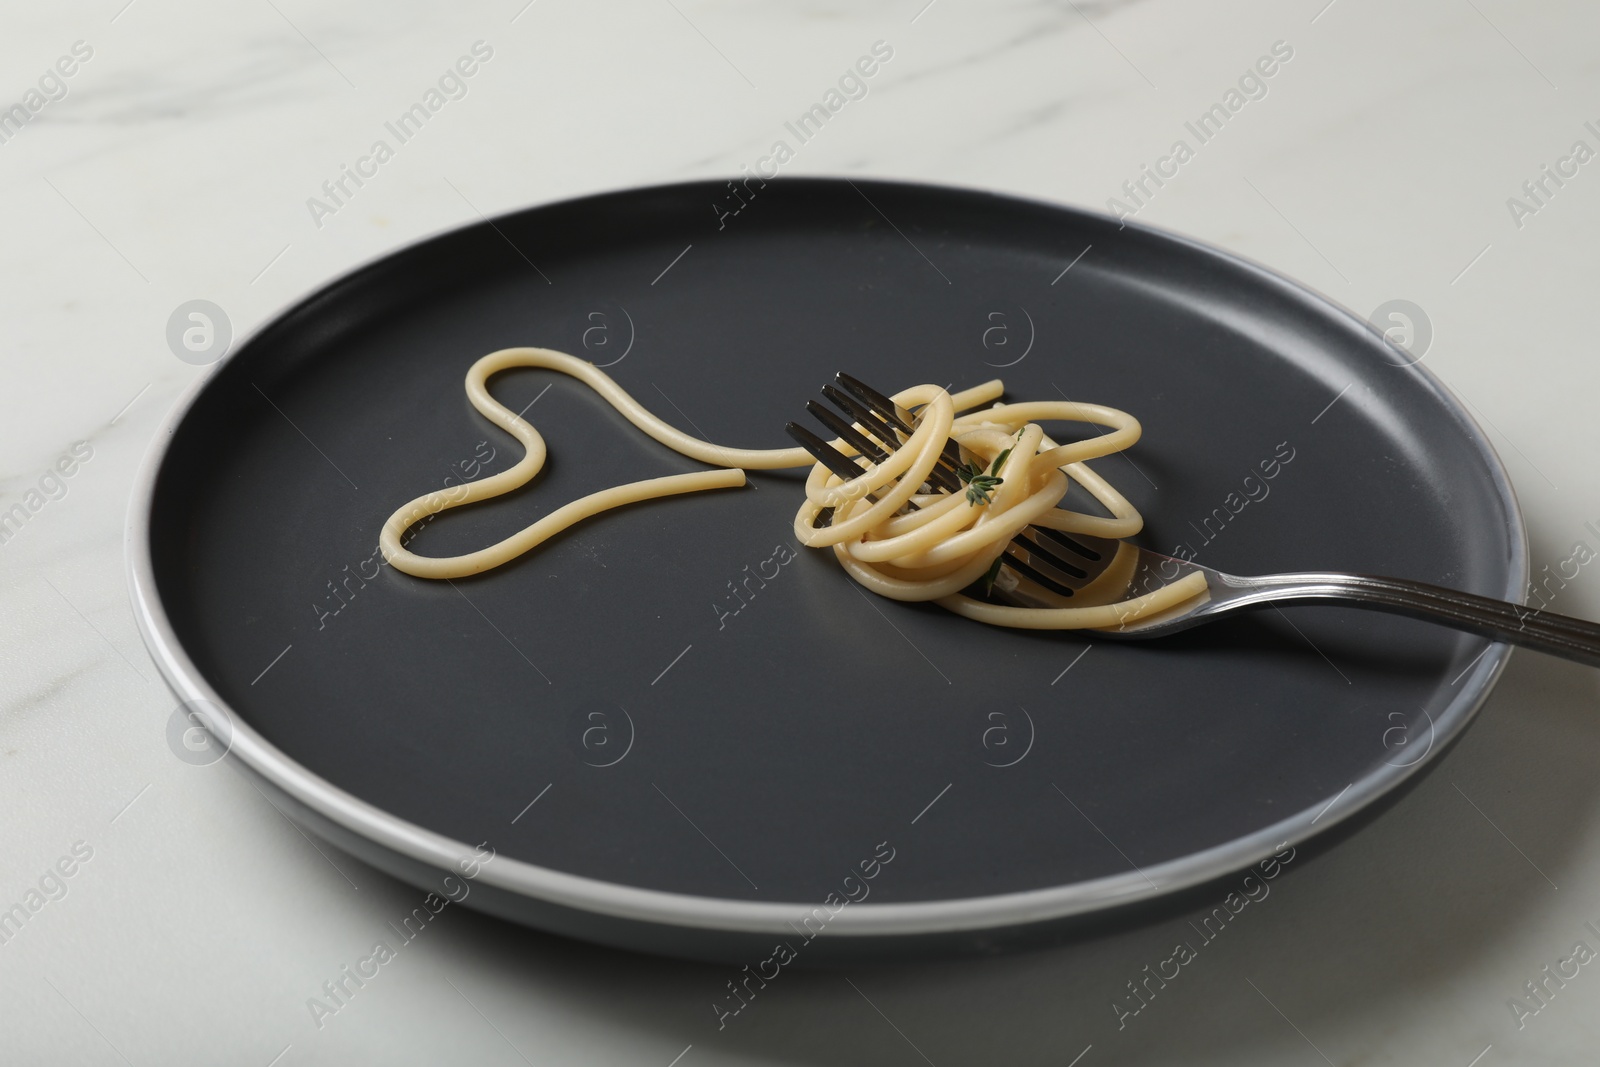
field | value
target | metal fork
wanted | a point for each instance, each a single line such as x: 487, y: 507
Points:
x: 1076, y: 560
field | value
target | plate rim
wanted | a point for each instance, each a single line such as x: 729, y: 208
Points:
x: 694, y: 911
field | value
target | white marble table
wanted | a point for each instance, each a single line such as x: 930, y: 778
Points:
x: 1375, y: 163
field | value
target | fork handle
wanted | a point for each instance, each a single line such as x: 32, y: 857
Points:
x: 1559, y: 635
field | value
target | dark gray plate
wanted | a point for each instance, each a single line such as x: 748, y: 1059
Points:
x: 700, y: 778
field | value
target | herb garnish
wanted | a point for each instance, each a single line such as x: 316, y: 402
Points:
x: 992, y: 573
x: 980, y: 484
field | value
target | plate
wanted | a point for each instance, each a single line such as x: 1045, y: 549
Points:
x: 672, y: 729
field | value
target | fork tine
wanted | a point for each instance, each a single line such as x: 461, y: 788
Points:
x: 870, y: 420
x: 1068, y: 542
x: 825, y: 454
x: 1023, y: 567
x: 884, y: 405
x: 851, y: 436
x: 864, y: 413
x: 1042, y: 553
x: 941, y: 476
x: 893, y: 413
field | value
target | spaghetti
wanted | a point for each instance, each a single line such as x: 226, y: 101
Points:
x: 943, y: 544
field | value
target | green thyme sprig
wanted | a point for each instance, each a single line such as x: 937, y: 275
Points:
x: 981, y: 483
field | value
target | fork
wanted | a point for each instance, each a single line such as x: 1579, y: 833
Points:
x: 1042, y: 567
